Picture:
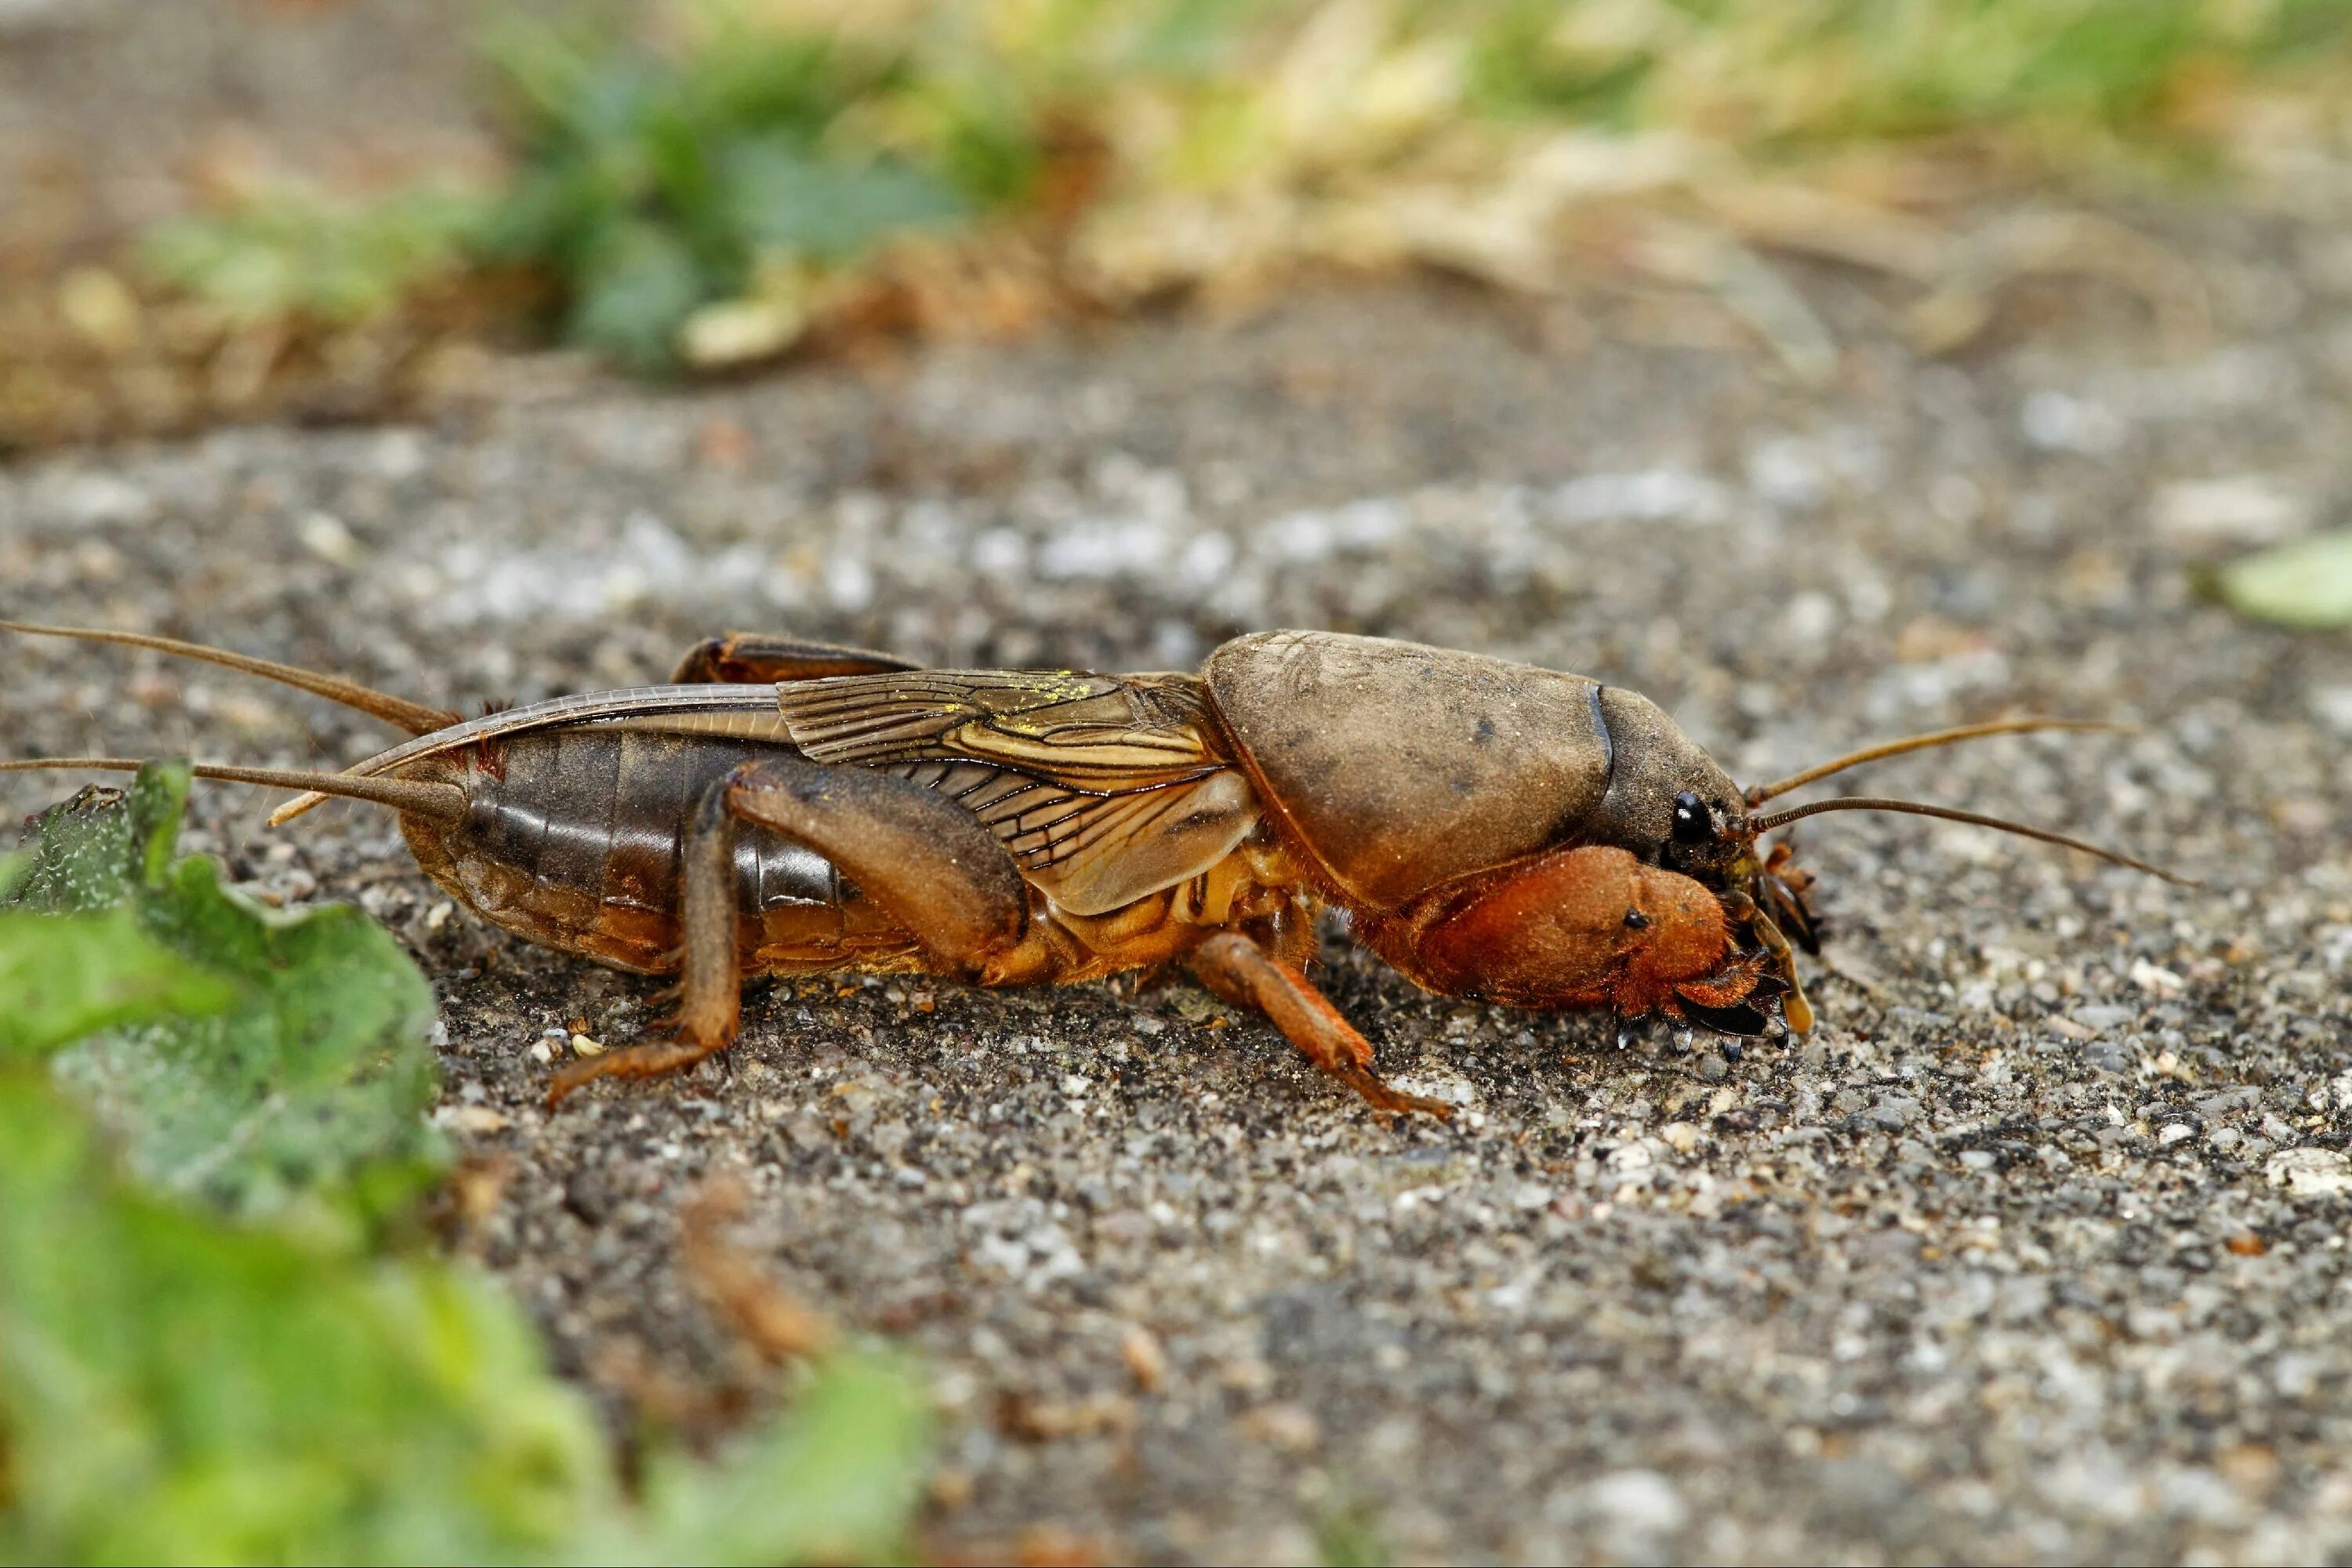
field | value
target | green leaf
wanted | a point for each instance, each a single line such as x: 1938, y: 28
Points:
x: 174, y: 1388
x: 93, y: 851
x: 2306, y: 584
x: 637, y: 284
x: 184, y: 1381
x: 783, y: 199
x: 177, y: 1388
x: 245, y: 1057
x: 70, y: 975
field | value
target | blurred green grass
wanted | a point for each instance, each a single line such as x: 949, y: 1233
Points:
x: 707, y: 188
x: 221, y: 1336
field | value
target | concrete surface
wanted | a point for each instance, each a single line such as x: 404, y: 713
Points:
x: 2035, y: 1250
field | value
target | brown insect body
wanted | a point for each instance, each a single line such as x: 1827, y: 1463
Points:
x: 1494, y: 830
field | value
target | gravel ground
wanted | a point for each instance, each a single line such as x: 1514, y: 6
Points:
x: 2031, y: 1252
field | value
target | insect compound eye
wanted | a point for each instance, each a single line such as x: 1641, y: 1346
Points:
x: 1694, y: 823
x: 1636, y: 920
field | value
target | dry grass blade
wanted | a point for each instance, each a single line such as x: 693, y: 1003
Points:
x: 776, y: 1325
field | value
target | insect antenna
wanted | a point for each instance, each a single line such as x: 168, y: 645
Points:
x: 442, y: 802
x: 413, y: 717
x: 1757, y: 794
x: 1757, y: 826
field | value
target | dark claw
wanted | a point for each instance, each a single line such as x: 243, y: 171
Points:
x: 1793, y: 913
x: 1742, y: 1020
x: 1635, y: 1034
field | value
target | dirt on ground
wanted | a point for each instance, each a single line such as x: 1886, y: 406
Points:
x: 2033, y: 1251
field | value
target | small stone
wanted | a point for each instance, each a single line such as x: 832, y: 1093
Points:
x: 2332, y: 705
x: 1146, y: 1362
x: 2107, y: 1057
x: 2176, y: 1132
x: 2240, y: 508
x: 952, y: 1489
x: 1893, y: 1113
x: 1638, y: 1502
x: 2060, y: 422
x: 1290, y: 1428
x: 322, y: 534
x: 2309, y: 1172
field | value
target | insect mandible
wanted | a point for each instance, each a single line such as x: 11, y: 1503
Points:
x: 1491, y: 830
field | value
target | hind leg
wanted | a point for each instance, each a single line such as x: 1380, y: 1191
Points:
x: 931, y: 866
x: 710, y: 975
x: 752, y: 659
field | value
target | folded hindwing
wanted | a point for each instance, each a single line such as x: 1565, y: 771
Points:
x: 1104, y: 788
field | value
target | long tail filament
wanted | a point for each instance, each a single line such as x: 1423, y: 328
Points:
x: 440, y: 801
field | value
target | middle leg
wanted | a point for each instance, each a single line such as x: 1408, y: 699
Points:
x: 1245, y: 975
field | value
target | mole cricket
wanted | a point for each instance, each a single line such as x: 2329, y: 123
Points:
x: 1493, y: 830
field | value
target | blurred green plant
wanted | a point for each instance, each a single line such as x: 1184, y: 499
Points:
x: 652, y: 184
x: 1348, y: 1535
x: 689, y: 192
x: 175, y: 1388
x: 189, y: 1369
x: 290, y: 252
x: 259, y: 1061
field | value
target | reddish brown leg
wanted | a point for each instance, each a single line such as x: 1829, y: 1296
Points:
x: 710, y: 978
x: 750, y: 658
x: 932, y: 866
x: 1241, y: 972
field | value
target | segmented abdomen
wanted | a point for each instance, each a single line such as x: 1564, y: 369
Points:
x: 574, y: 838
